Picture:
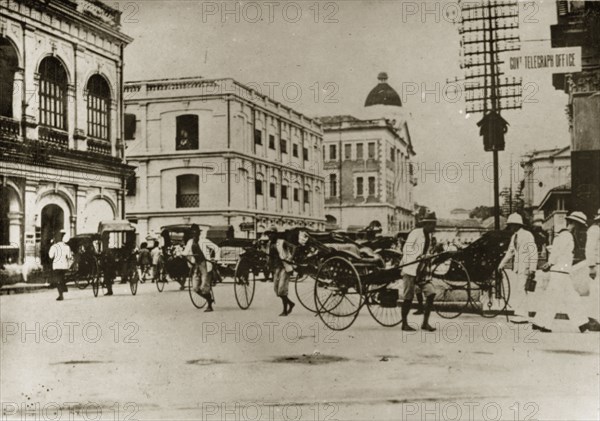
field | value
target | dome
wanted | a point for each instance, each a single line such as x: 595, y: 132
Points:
x: 383, y: 94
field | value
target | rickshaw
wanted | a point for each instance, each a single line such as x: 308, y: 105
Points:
x: 86, y: 268
x: 174, y: 264
x: 118, y: 254
x: 466, y: 278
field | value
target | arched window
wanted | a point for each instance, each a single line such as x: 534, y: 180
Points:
x: 8, y: 66
x: 53, y: 94
x: 188, y: 191
x: 187, y: 132
x: 98, y: 108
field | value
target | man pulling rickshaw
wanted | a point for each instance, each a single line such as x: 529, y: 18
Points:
x: 199, y: 270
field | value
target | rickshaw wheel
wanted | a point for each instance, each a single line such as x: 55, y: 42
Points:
x: 197, y: 300
x: 338, y: 293
x: 305, y: 291
x: 244, y: 283
x: 96, y: 284
x: 160, y: 276
x: 382, y: 303
x: 490, y: 305
x: 453, y: 295
x: 134, y: 279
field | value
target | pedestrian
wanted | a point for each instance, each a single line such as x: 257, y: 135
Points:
x: 560, y: 300
x: 592, y: 247
x: 592, y: 257
x: 416, y: 247
x: 197, y: 262
x: 156, y: 255
x: 541, y: 238
x: 279, y: 263
x: 144, y: 261
x: 61, y: 257
x: 523, y: 253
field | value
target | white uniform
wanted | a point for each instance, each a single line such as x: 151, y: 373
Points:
x: 414, y: 248
x: 592, y: 257
x: 592, y: 246
x: 523, y: 252
x: 560, y: 296
x: 61, y: 256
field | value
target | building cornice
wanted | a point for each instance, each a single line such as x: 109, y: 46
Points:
x: 223, y: 211
x: 71, y: 10
x: 216, y: 88
x: 221, y: 154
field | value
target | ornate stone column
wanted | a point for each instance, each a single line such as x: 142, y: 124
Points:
x: 71, y: 113
x: 18, y: 87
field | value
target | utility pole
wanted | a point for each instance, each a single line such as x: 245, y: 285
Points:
x: 486, y: 29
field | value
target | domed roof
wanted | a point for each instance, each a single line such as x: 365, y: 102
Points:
x: 383, y: 94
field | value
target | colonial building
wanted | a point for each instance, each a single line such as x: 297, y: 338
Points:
x: 61, y: 154
x: 543, y: 170
x: 368, y: 166
x: 215, y: 152
x: 546, y: 185
x: 578, y: 24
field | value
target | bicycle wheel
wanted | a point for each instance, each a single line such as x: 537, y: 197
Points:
x: 305, y: 291
x: 161, y: 276
x: 244, y: 284
x: 197, y: 300
x: 338, y: 293
x: 493, y: 304
x: 382, y: 303
x: 452, y: 281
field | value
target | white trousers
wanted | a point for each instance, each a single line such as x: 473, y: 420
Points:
x: 521, y: 302
x: 559, y: 297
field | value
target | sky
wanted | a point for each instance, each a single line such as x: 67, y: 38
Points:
x: 322, y: 58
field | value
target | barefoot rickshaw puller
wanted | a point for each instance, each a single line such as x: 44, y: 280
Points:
x: 197, y: 261
x: 418, y: 245
x: 280, y: 257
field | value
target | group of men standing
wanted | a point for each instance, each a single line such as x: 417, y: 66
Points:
x: 559, y: 299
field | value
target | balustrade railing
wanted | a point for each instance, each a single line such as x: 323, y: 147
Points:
x: 9, y: 127
x: 54, y: 137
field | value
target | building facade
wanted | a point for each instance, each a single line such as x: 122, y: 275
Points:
x: 578, y: 24
x: 61, y: 149
x: 368, y: 166
x: 217, y: 153
x: 543, y: 170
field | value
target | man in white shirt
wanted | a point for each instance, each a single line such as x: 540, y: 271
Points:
x: 417, y: 245
x: 198, y: 264
x: 592, y: 247
x: 523, y: 252
x: 560, y: 300
x: 60, y: 254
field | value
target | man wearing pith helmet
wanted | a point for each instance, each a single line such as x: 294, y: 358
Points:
x: 592, y: 247
x: 560, y: 300
x: 523, y: 254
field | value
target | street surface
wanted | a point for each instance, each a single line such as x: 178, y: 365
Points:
x: 154, y: 356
